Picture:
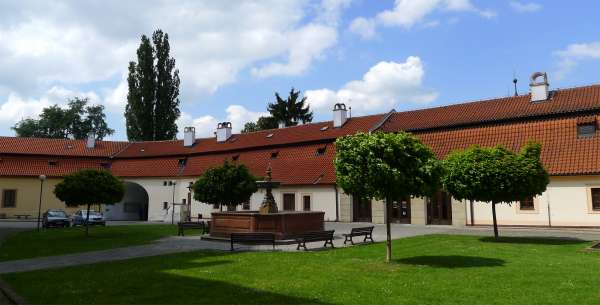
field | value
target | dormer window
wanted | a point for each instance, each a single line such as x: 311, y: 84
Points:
x: 586, y: 130
x: 105, y: 165
x: 274, y: 154
x: 269, y: 135
x: 182, y: 162
x: 324, y: 128
x: 321, y: 150
x: 52, y: 162
x: 235, y: 157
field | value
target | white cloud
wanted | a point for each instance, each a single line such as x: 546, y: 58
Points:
x: 207, y: 124
x: 408, y: 13
x: 573, y: 55
x: 387, y: 84
x: 363, y: 27
x: 523, y: 7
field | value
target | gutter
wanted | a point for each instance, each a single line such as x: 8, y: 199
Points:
x: 337, y: 203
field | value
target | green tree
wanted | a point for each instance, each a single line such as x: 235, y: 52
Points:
x: 75, y: 121
x: 153, y: 97
x: 385, y: 166
x: 87, y: 187
x: 495, y: 175
x: 263, y: 123
x: 229, y: 185
x: 291, y: 110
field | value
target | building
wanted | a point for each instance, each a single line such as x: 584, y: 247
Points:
x: 158, y: 174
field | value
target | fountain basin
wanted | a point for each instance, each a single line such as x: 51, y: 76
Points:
x: 283, y: 224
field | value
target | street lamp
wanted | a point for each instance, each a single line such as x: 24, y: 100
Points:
x: 42, y: 178
x: 173, y: 204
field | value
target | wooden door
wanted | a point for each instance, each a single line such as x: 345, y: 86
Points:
x: 289, y: 202
x: 361, y: 210
x: 400, y: 211
x: 439, y: 209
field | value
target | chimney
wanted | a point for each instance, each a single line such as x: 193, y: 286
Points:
x: 90, y: 142
x: 189, y: 136
x: 223, y: 131
x: 339, y: 115
x: 539, y: 89
x: 281, y: 124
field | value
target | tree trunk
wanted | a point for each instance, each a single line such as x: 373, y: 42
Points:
x: 87, y: 221
x: 495, y: 223
x: 388, y: 253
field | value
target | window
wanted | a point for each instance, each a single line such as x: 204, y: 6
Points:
x: 289, y: 202
x: 182, y: 162
x: 586, y: 130
x: 164, y: 183
x: 274, y: 154
x: 321, y: 150
x: 324, y: 128
x: 269, y: 135
x: 526, y: 204
x: 306, y: 202
x: 235, y: 157
x: 165, y: 204
x: 9, y: 198
x: 52, y: 162
x: 595, y: 199
x: 246, y: 206
x: 216, y: 206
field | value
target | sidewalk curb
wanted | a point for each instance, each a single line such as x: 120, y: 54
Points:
x: 10, y: 294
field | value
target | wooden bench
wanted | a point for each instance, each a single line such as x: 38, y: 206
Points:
x: 326, y: 236
x: 19, y: 216
x: 201, y: 225
x: 367, y: 232
x: 252, y: 238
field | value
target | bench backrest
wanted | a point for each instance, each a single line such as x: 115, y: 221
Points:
x: 252, y: 236
x: 317, y: 235
x: 360, y: 230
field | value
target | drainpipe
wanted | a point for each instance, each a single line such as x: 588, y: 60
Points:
x: 337, y: 204
x: 549, y: 217
x: 472, y: 212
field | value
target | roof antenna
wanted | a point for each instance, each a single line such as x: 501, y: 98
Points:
x: 350, y: 108
x: 515, y: 82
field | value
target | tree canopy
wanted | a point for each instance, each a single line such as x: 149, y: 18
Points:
x: 73, y: 122
x: 386, y: 166
x: 89, y: 186
x: 153, y: 98
x: 289, y: 111
x: 230, y: 185
x: 495, y: 174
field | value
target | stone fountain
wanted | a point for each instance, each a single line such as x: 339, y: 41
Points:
x: 284, y: 225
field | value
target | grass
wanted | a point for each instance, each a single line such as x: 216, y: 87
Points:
x: 29, y: 244
x: 435, y: 269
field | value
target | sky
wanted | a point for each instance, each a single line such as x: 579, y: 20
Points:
x: 373, y: 55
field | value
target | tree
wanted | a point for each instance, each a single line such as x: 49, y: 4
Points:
x: 230, y: 185
x: 75, y: 121
x: 263, y: 123
x: 87, y: 187
x: 385, y: 166
x: 291, y: 110
x: 495, y: 175
x: 153, y: 97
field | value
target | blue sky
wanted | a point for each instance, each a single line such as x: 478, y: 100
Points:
x: 233, y: 56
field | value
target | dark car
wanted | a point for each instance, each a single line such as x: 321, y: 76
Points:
x: 56, y: 219
x: 96, y: 218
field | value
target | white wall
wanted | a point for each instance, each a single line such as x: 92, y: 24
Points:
x: 567, y: 198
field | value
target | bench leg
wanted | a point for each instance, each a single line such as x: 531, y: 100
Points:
x: 371, y: 238
x: 301, y: 245
x: 273, y: 245
x: 329, y: 242
x: 231, y: 245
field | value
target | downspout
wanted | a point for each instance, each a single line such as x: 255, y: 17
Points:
x: 549, y: 217
x: 337, y: 204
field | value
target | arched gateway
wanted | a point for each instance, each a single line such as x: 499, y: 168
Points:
x: 133, y: 206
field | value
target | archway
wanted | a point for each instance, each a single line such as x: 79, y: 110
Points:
x: 133, y: 206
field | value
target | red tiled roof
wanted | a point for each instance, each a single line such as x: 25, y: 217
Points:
x: 26, y: 166
x: 58, y: 147
x: 146, y: 167
x: 296, y: 134
x: 563, y: 153
x: 561, y: 102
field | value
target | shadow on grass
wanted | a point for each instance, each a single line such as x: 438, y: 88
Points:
x: 557, y: 241
x: 452, y: 261
x: 194, y: 278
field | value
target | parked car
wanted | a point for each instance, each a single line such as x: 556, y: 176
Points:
x: 55, y: 218
x: 96, y: 218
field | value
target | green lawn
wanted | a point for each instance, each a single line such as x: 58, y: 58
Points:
x: 30, y: 244
x: 433, y: 269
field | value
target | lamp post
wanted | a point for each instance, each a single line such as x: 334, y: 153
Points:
x: 173, y: 204
x: 42, y: 178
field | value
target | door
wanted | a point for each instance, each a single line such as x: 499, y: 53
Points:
x: 289, y: 202
x: 439, y: 209
x: 361, y: 210
x: 400, y: 212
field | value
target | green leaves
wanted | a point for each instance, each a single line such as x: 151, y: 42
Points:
x: 230, y: 185
x: 495, y: 174
x: 90, y: 186
x: 382, y: 165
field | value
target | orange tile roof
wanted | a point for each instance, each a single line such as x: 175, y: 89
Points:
x: 33, y: 166
x: 564, y: 101
x: 58, y: 147
x: 563, y: 153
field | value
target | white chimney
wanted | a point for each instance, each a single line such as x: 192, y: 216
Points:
x: 90, y: 142
x: 189, y: 136
x: 223, y: 131
x: 539, y: 89
x: 339, y: 115
x: 281, y: 124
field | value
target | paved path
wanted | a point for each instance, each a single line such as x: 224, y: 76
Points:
x: 192, y: 243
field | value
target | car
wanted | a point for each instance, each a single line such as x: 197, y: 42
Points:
x: 96, y: 218
x: 55, y: 218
